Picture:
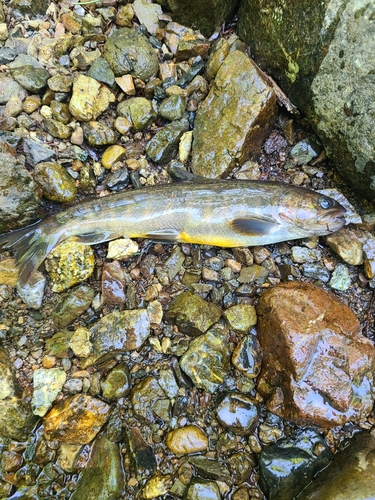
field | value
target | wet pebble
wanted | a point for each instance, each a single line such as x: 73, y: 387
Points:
x: 141, y: 452
x: 60, y: 111
x: 103, y: 476
x: 68, y: 264
x: 32, y: 292
x: 289, y: 465
x: 340, y: 279
x: 37, y: 152
x: 241, y: 317
x: 253, y: 273
x: 163, y: 147
x: 29, y: 73
x: 76, y: 420
x: 89, y: 98
x: 303, y: 152
x: 113, y: 283
x: 98, y: 133
x: 57, y: 129
x: 213, y: 348
x: 72, y: 305
x: 16, y: 417
x: 129, y: 52
x: 112, y: 154
x: 80, y: 342
x: 120, y: 331
x: 347, y: 246
x: 55, y: 182
x: 172, y: 108
x: 186, y: 440
x: 122, y: 249
x: 303, y: 254
x: 149, y: 401
x: 238, y: 413
x: 156, y: 486
x: 200, y: 490
x: 241, y: 466
x: 139, y: 111
x: 101, y: 71
x: 192, y: 314
x: 117, y: 383
x: 316, y: 271
x: 174, y: 262
x: 210, y: 469
x: 247, y: 356
x: 47, y: 386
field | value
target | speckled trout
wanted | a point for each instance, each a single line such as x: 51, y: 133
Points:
x: 224, y: 213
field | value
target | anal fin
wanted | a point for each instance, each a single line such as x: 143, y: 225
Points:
x: 163, y: 235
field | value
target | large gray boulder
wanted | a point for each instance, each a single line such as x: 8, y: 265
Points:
x: 322, y: 55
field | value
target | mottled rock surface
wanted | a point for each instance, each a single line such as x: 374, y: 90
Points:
x: 69, y: 264
x: 120, y: 331
x: 322, y: 56
x: 103, y: 477
x: 18, y: 196
x: 16, y: 418
x: 314, y: 356
x: 76, y: 420
x: 207, y: 360
x: 129, y: 52
x: 234, y: 119
x: 192, y: 314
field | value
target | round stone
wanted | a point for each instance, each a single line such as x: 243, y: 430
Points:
x: 189, y: 439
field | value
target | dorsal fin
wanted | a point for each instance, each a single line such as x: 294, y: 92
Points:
x: 178, y: 173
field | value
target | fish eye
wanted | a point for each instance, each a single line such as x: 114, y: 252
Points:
x: 326, y: 203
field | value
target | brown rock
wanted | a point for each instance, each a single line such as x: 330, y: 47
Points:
x: 347, y: 245
x: 314, y: 356
x: 113, y: 283
x: 76, y: 420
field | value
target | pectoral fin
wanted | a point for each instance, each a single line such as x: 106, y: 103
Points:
x: 257, y: 226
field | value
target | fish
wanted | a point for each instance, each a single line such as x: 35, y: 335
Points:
x: 223, y: 213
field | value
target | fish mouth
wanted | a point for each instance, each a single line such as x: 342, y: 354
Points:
x: 335, y: 223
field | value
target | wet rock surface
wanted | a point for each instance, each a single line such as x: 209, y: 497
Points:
x: 89, y: 416
x: 289, y: 465
x: 18, y: 196
x: 103, y: 477
x: 192, y: 314
x: 349, y: 474
x: 313, y: 352
x: 17, y: 419
x: 141, y: 377
x: 252, y: 107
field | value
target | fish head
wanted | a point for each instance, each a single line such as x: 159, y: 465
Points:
x: 311, y: 213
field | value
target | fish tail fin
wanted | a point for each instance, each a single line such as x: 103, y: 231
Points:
x: 31, y: 245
